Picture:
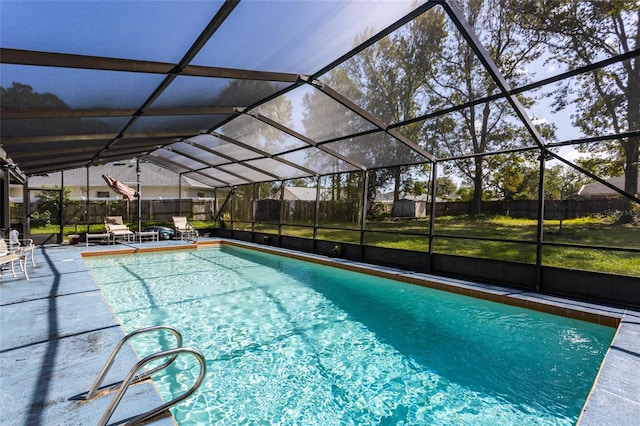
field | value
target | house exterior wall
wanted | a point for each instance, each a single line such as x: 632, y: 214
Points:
x: 148, y: 193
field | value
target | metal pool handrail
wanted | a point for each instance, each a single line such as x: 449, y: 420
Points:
x: 172, y: 353
x: 92, y: 391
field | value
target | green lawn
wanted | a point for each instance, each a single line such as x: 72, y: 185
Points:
x: 521, y: 236
x: 519, y: 233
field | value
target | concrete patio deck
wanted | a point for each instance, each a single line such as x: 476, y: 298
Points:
x: 56, y: 332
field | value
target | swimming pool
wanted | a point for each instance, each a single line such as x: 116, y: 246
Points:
x: 291, y: 342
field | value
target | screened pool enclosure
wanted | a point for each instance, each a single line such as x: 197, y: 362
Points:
x: 482, y: 139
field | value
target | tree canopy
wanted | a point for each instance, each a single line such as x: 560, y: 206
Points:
x: 606, y: 100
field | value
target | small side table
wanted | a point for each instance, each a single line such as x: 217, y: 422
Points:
x: 153, y: 235
x: 99, y: 237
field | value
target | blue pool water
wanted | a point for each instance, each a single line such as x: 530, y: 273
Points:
x: 291, y: 342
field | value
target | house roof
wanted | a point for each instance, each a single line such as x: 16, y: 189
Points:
x: 151, y: 175
x: 302, y: 193
x: 598, y: 189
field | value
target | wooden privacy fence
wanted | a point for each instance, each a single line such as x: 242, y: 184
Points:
x: 151, y: 210
x: 299, y: 211
x: 528, y: 209
x: 269, y: 210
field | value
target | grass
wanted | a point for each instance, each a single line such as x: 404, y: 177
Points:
x: 452, y: 233
x: 521, y: 246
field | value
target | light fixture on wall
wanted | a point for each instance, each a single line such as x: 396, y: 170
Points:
x: 9, y: 166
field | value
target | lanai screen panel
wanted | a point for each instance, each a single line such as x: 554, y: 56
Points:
x: 296, y: 36
x: 318, y: 161
x: 163, y: 162
x: 488, y: 127
x: 221, y: 175
x: 106, y: 28
x: 79, y: 88
x: 62, y: 126
x: 259, y: 135
x: 397, y: 84
x: 224, y: 148
x: 196, y: 152
x: 176, y: 123
x: 250, y: 174
x: 47, y: 149
x: 314, y: 115
x: 278, y: 168
x: 377, y: 150
x: 193, y: 91
x: 175, y: 157
x: 144, y: 142
x: 207, y: 180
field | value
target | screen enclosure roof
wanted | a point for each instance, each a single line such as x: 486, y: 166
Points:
x: 224, y: 92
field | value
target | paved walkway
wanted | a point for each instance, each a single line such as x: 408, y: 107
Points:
x: 56, y: 332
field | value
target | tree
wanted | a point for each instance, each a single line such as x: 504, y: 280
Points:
x: 445, y: 187
x: 21, y: 96
x: 48, y: 204
x: 416, y: 187
x: 465, y: 193
x: 392, y: 74
x: 267, y: 190
x: 344, y: 198
x: 562, y: 182
x: 461, y: 78
x: 310, y: 182
x: 250, y: 131
x: 387, y: 80
x: 515, y: 177
x: 580, y: 33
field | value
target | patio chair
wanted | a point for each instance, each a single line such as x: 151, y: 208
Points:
x: 183, y: 228
x: 9, y: 258
x: 21, y: 246
x: 117, y: 229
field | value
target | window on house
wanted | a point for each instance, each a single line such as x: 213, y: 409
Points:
x: 102, y: 194
x: 200, y: 194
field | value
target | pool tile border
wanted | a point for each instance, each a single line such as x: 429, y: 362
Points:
x: 110, y: 252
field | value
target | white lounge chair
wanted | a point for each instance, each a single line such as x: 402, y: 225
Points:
x: 117, y: 229
x: 183, y: 228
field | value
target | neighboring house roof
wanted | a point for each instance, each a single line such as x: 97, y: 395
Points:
x: 150, y: 175
x: 302, y: 193
x: 598, y: 190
